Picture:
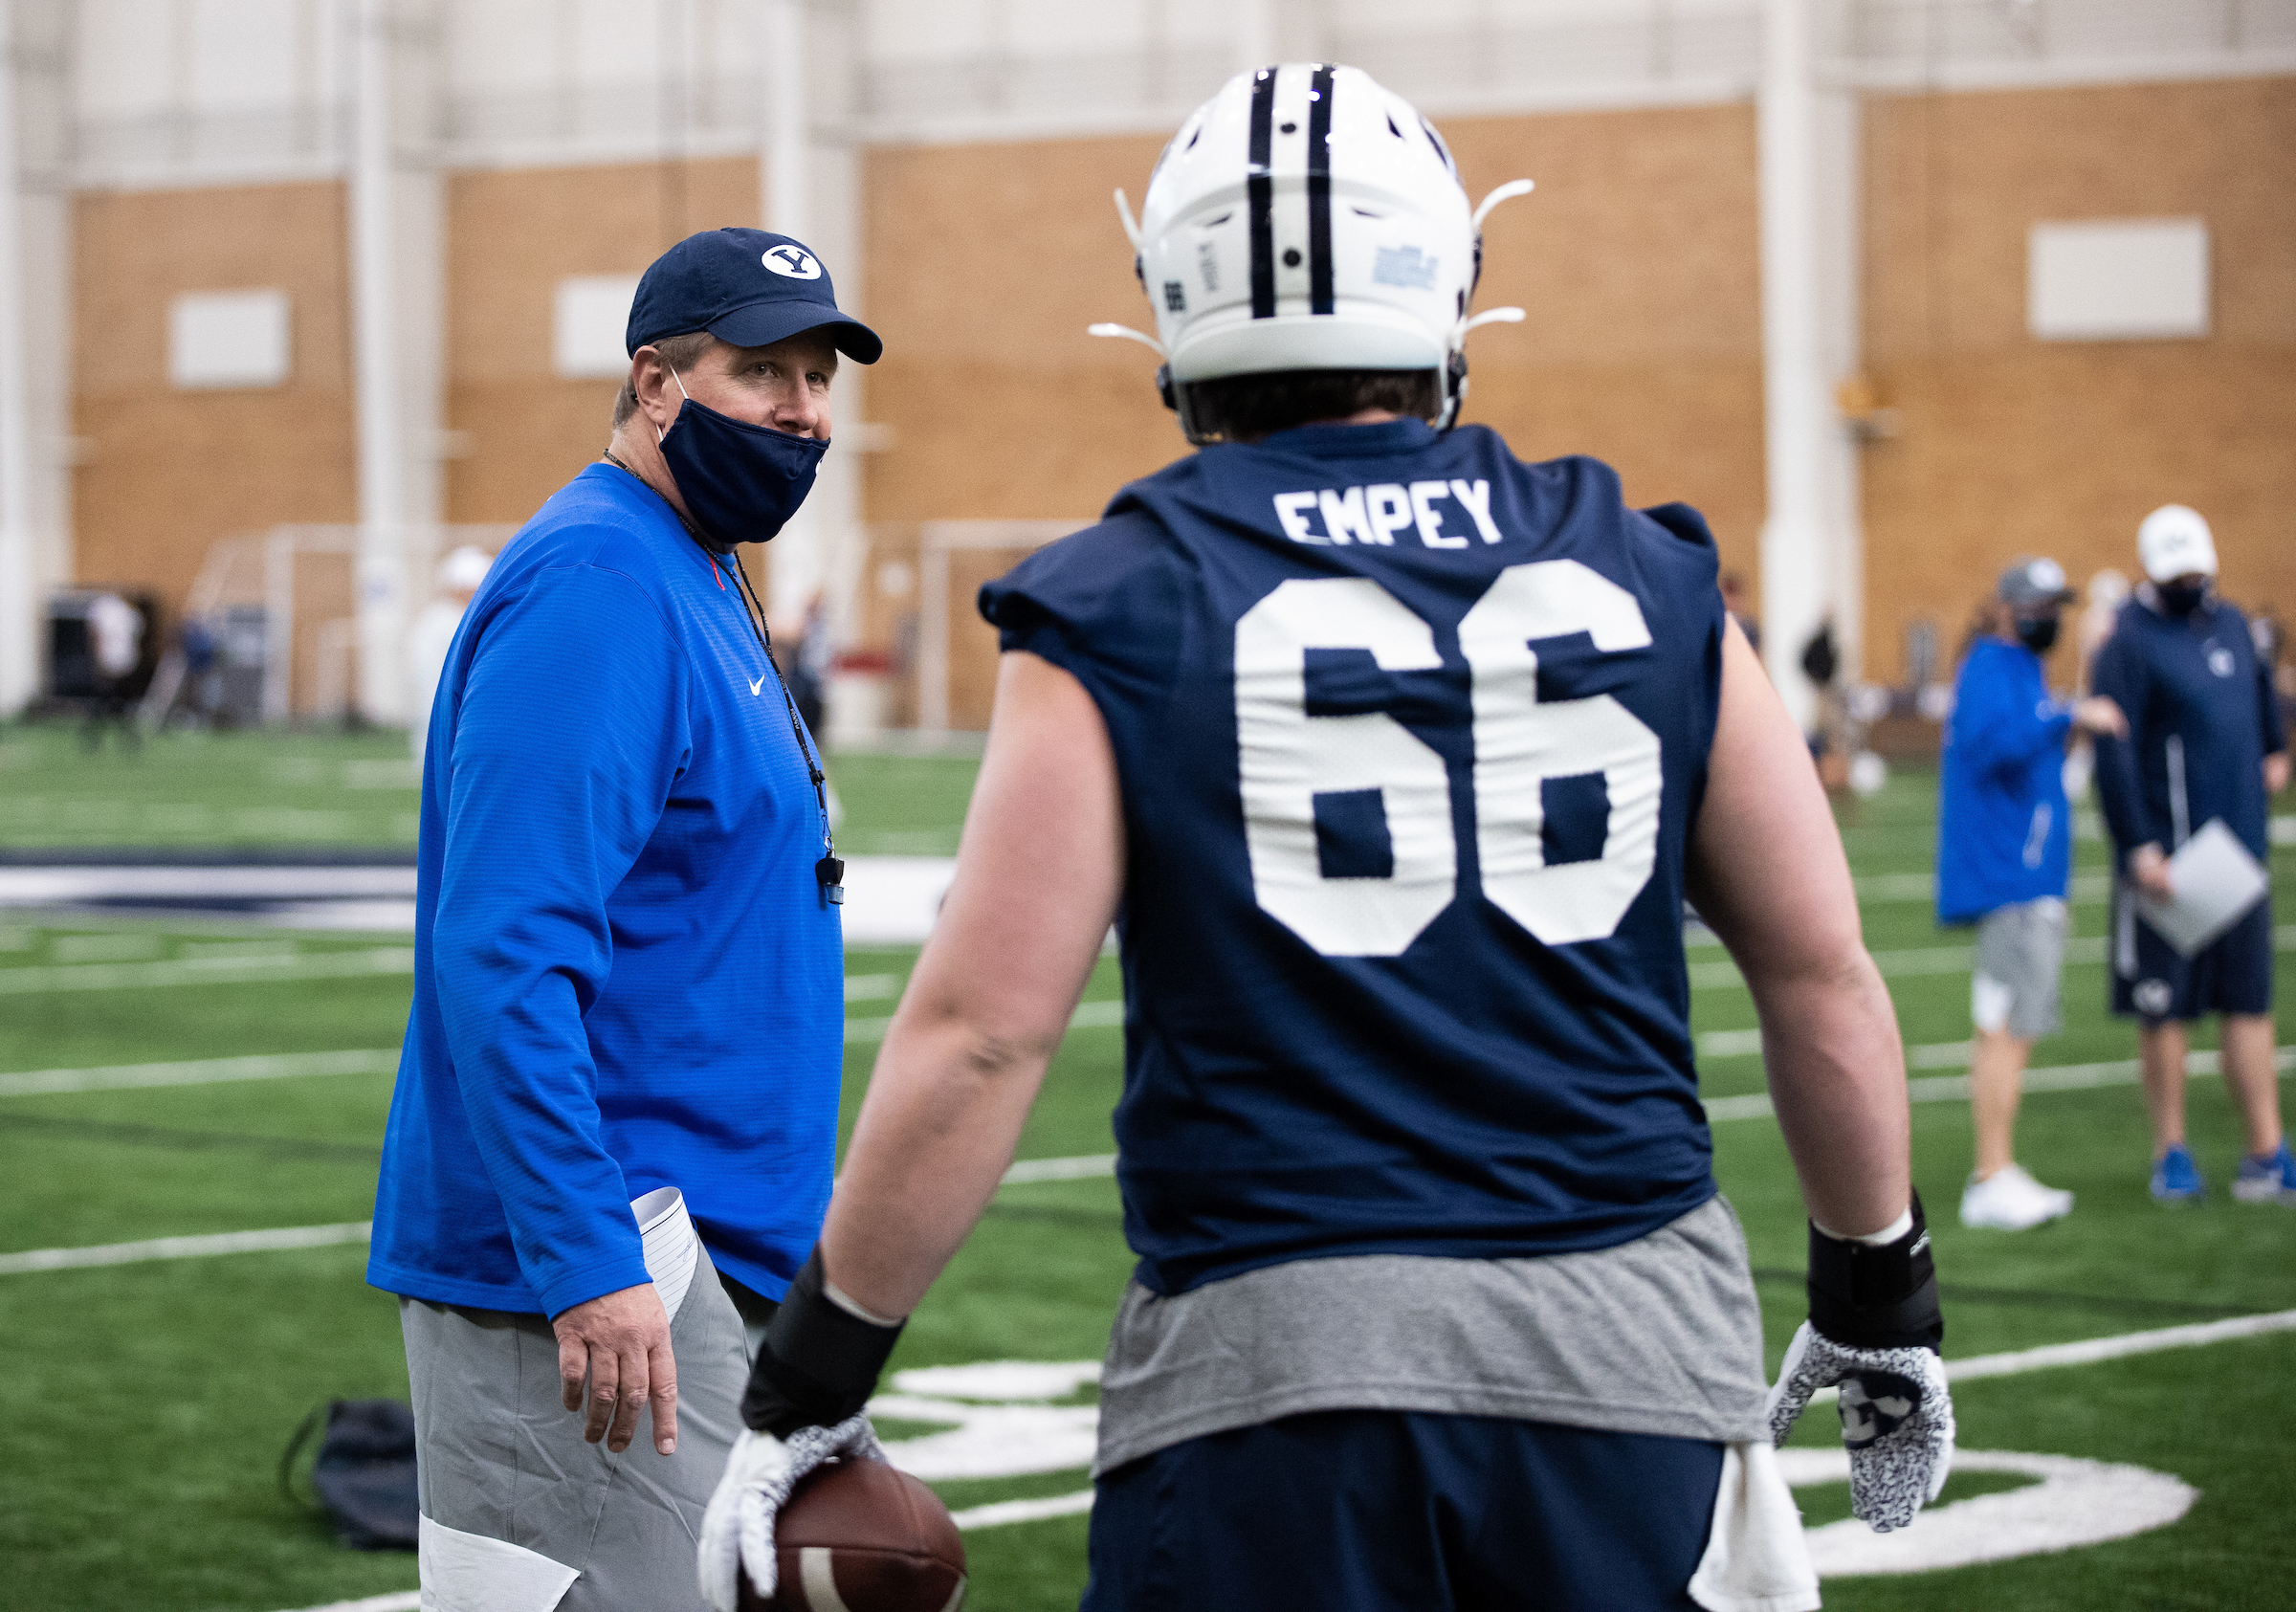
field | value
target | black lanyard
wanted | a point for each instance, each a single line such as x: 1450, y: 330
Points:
x: 830, y: 871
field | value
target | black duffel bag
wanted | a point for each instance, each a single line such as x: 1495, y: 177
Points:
x: 364, y: 1473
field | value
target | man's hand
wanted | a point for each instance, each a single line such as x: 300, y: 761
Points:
x: 2276, y: 772
x: 620, y: 1344
x: 2148, y: 866
x: 2101, y: 716
x: 1873, y: 1333
x: 736, y: 1531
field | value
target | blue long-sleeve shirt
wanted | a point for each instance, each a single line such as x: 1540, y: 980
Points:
x: 2201, y: 719
x: 2004, y: 832
x: 627, y: 975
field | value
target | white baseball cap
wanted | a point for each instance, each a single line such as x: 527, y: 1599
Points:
x: 2173, y: 541
x: 464, y: 569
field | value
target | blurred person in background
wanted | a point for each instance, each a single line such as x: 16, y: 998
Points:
x: 459, y: 576
x: 808, y: 663
x: 2205, y: 745
x: 115, y: 650
x: 2005, y: 856
x: 2107, y: 593
x: 628, y: 971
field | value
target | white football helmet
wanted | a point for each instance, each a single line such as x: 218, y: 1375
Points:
x: 1307, y: 218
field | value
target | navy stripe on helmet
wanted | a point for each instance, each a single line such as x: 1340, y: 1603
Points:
x: 1319, y: 191
x: 1259, y: 188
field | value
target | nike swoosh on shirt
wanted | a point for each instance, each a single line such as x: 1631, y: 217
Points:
x: 758, y: 682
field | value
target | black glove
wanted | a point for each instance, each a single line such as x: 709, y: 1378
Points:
x: 1873, y: 1333
x: 819, y: 1361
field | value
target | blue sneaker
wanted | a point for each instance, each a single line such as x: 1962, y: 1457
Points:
x: 2176, y: 1178
x: 2270, y: 1180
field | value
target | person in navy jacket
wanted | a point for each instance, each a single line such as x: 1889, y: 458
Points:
x: 2205, y: 745
x: 2004, y: 854
x: 628, y: 970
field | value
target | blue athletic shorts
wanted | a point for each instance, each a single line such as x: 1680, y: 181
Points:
x: 2232, y: 974
x: 1371, y: 1510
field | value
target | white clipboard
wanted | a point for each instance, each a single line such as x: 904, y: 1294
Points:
x: 2217, y: 881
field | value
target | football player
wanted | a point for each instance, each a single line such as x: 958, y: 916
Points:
x: 1394, y: 759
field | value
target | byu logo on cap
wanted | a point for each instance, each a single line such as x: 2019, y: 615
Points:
x: 794, y: 261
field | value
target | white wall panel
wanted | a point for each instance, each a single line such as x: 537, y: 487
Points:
x: 2117, y: 279
x: 243, y: 54
x: 229, y: 340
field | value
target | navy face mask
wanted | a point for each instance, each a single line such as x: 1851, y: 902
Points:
x: 2180, y: 599
x: 2038, y: 633
x: 741, y: 484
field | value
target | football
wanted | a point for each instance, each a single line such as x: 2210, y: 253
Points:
x: 860, y: 1537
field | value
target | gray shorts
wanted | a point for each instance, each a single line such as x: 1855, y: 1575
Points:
x: 2020, y: 955
x: 520, y: 1514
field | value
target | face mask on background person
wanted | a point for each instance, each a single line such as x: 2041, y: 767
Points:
x: 2038, y: 633
x: 2180, y: 599
x: 741, y: 484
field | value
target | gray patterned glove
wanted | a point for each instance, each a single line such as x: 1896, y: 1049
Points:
x: 736, y: 1531
x: 1897, y: 1420
x: 1873, y: 1333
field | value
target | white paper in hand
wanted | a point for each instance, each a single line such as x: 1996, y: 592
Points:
x: 2217, y: 882
x: 671, y: 1250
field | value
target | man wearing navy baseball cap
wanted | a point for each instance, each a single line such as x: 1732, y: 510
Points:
x: 629, y: 1007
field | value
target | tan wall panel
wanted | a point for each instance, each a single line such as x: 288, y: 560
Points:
x: 167, y: 472
x: 986, y: 263
x: 2011, y: 445
x: 1636, y: 257
x: 511, y: 237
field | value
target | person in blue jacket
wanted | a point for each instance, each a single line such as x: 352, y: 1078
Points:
x: 2205, y: 745
x: 2004, y: 854
x: 628, y: 970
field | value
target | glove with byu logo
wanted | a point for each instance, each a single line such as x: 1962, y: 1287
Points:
x: 736, y: 1531
x: 1873, y: 1332
x: 815, y: 1369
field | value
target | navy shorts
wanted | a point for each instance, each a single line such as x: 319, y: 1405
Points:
x: 1368, y: 1511
x: 2232, y: 974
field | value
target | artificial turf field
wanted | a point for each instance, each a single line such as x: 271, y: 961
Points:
x: 145, y: 1404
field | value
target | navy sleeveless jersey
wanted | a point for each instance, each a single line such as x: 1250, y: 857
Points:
x: 1411, y: 735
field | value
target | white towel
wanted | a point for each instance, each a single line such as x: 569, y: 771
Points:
x: 671, y: 1250
x: 1757, y: 1558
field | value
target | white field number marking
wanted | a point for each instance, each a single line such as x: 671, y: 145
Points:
x: 1288, y: 758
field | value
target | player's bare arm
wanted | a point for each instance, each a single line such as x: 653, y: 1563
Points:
x: 1768, y: 874
x: 1039, y: 873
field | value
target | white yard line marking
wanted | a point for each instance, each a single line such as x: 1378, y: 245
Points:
x: 2089, y: 1351
x: 1950, y: 1087
x: 185, y: 1248
x: 1082, y: 1167
x: 1913, y: 961
x: 206, y: 971
x: 405, y: 1600
x: 998, y: 1513
x: 281, y: 1066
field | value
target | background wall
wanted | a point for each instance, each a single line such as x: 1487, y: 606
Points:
x: 2009, y: 445
x: 521, y: 429
x: 162, y: 474
x: 1636, y: 257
